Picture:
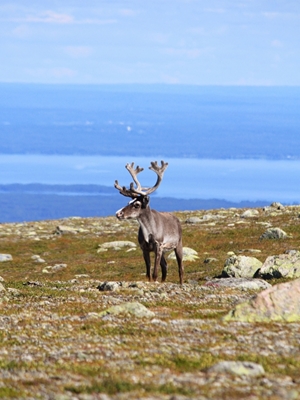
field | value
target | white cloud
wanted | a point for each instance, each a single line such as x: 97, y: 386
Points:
x: 51, y: 17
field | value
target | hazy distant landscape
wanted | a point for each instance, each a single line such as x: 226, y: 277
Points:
x: 20, y: 203
x: 153, y: 121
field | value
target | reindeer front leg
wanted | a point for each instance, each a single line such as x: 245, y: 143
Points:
x: 157, y: 261
x: 146, y: 255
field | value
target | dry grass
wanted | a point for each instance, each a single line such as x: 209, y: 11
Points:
x: 53, y: 343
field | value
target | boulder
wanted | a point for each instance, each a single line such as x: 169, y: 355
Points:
x: 239, y: 283
x: 282, y: 266
x: 250, y: 213
x: 54, y: 268
x: 193, y: 220
x: 241, y: 267
x: 5, y: 257
x: 280, y: 303
x: 61, y: 229
x: 273, y: 233
x: 133, y: 308
x: 109, y: 286
x: 116, y: 245
x: 275, y: 206
x: 241, y: 368
x: 188, y: 254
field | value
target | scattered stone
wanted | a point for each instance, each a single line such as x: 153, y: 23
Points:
x: 82, y: 276
x: 116, y: 245
x: 2, y: 288
x: 38, y: 259
x: 209, y: 260
x: 250, y: 251
x: 282, y: 266
x: 242, y: 368
x: 250, y: 213
x: 109, y: 286
x: 193, y: 220
x: 239, y: 283
x: 5, y: 257
x: 275, y: 206
x: 280, y: 303
x: 61, y: 229
x: 188, y: 254
x: 32, y: 283
x: 274, y: 233
x: 133, y: 308
x: 241, y: 267
x: 55, y: 268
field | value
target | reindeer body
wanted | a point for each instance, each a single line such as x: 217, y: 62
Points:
x: 159, y: 231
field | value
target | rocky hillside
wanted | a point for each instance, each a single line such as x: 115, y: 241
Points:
x: 79, y: 321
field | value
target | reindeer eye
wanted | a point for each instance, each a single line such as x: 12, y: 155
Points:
x: 136, y: 205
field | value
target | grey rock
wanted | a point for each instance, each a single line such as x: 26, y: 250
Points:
x: 61, y: 229
x: 55, y: 268
x: 37, y: 259
x: 239, y: 283
x: 109, y: 286
x: 5, y: 257
x: 116, y: 245
x: 242, y: 368
x: 274, y: 233
x: 188, y: 255
x: 193, y: 220
x: 241, y: 267
x: 133, y: 308
x: 282, y: 266
x: 280, y: 303
x: 2, y: 288
x: 209, y: 260
x: 275, y: 206
x: 250, y: 213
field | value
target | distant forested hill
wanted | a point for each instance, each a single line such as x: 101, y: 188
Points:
x: 166, y: 120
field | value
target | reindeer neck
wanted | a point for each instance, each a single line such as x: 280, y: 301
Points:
x: 147, y: 223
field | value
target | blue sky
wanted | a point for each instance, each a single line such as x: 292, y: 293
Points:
x: 213, y: 42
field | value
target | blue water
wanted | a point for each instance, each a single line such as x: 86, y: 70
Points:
x: 175, y: 121
x: 231, y: 143
x: 233, y: 180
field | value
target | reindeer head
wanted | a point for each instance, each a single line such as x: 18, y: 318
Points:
x: 138, y: 194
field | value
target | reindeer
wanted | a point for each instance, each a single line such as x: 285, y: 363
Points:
x: 159, y: 231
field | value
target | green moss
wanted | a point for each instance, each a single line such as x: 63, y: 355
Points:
x: 113, y: 386
x: 7, y: 392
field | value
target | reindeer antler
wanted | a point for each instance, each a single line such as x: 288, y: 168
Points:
x: 139, y: 190
x: 131, y: 191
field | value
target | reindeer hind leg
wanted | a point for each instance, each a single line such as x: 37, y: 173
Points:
x: 179, y: 257
x: 164, y: 268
